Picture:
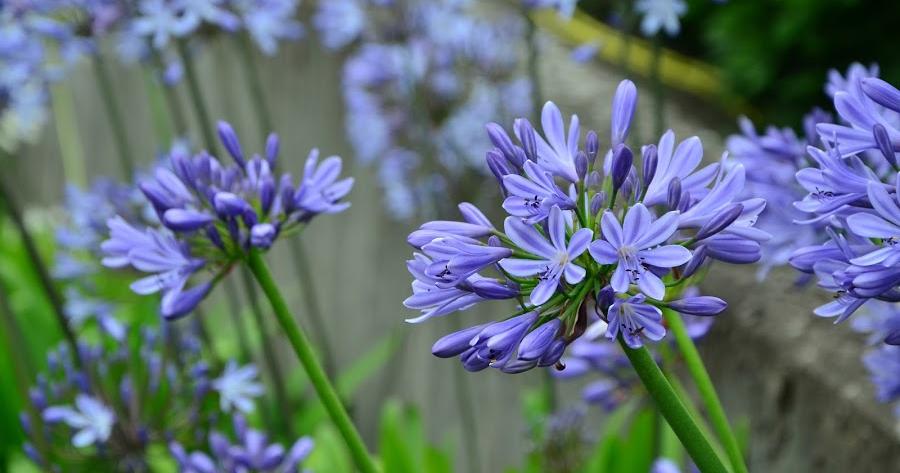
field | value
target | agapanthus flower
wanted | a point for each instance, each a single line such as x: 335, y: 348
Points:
x: 237, y: 387
x: 468, y: 66
x: 122, y: 399
x: 91, y: 419
x: 851, y: 187
x: 604, y: 262
x: 660, y: 15
x: 883, y: 364
x: 212, y: 214
x: 252, y: 452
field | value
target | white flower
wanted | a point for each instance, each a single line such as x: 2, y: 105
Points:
x: 660, y: 14
x: 237, y: 387
x: 92, y: 419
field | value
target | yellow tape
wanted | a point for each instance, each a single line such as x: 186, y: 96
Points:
x: 676, y: 70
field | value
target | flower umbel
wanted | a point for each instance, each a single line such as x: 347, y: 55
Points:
x: 588, y: 247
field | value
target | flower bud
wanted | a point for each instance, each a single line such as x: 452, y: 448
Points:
x: 455, y: 343
x: 229, y: 205
x: 262, y: 235
x: 720, y: 221
x: 621, y: 165
x: 700, y: 305
x: 536, y: 343
x: 230, y: 141
x: 273, y: 145
x: 592, y: 145
x: 649, y: 160
x: 673, y: 198
x: 553, y: 354
x: 597, y: 202
x: 526, y: 135
x: 185, y: 220
x: 697, y: 259
x: 177, y: 304
x: 581, y: 164
x: 501, y: 140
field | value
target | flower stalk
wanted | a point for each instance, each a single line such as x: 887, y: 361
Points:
x: 673, y: 410
x: 307, y: 357
x: 706, y: 389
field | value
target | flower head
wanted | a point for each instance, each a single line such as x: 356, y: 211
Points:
x: 237, y: 387
x: 587, y: 248
x: 211, y: 214
x: 90, y: 417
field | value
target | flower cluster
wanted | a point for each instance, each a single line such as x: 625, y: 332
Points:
x: 36, y: 49
x: 420, y: 79
x: 212, y: 214
x: 611, y: 238
x: 851, y: 187
x: 252, y: 453
x: 771, y: 160
x: 122, y: 399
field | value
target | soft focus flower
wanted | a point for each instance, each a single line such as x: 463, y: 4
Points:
x: 661, y: 15
x: 252, y: 452
x: 237, y: 387
x: 90, y: 417
x: 562, y: 201
x: 211, y: 214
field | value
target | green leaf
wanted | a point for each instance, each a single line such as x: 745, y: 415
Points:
x: 639, y: 454
x: 604, y: 455
x: 437, y: 460
x: 330, y: 452
x: 401, y: 442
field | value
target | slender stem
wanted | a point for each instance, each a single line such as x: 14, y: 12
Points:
x: 313, y: 308
x: 301, y: 261
x: 113, y: 115
x: 205, y: 124
x: 263, y: 118
x: 269, y: 354
x: 672, y: 408
x: 707, y: 391
x: 53, y: 296
x: 307, y: 356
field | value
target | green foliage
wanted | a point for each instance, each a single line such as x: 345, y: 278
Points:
x: 402, y: 444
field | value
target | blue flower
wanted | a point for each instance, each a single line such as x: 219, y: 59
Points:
x: 237, y: 387
x: 91, y: 418
x: 635, y: 247
x: 553, y: 259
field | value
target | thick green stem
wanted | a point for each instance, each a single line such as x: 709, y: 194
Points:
x: 707, y: 391
x: 307, y: 356
x: 673, y: 409
x: 205, y: 124
x: 269, y: 355
x: 113, y: 116
x: 56, y: 303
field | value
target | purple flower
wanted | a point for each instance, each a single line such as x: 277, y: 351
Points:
x: 531, y: 197
x: 632, y: 318
x: 635, y: 247
x: 557, y: 153
x: 237, y: 387
x: 553, y: 259
x: 90, y: 417
x: 883, y: 364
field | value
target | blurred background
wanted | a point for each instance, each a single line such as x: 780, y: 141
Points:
x: 402, y: 91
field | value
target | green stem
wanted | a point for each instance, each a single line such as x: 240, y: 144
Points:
x: 307, y: 356
x: 113, y: 115
x: 707, y: 391
x: 205, y: 125
x: 269, y: 354
x: 7, y: 201
x: 672, y: 408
